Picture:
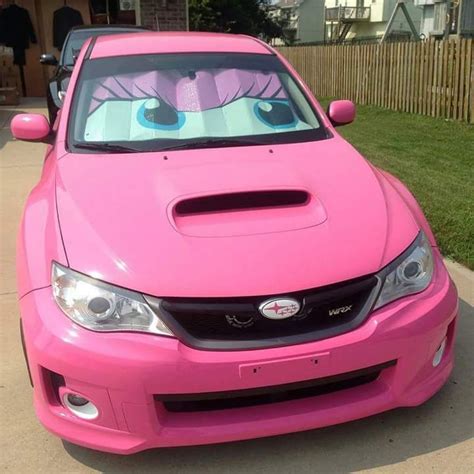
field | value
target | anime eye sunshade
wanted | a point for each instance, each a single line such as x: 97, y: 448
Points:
x: 166, y: 105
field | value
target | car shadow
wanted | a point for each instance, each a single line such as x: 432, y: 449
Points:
x: 380, y: 440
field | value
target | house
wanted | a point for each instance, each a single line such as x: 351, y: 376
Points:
x: 311, y: 21
x: 303, y: 20
x: 360, y: 20
x: 163, y: 15
x: 285, y: 12
x: 435, y: 13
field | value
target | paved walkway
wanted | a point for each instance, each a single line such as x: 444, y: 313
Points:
x: 436, y: 437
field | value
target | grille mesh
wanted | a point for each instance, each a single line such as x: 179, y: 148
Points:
x: 236, y: 323
x: 273, y: 394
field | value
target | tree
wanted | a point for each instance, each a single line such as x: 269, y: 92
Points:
x: 234, y: 16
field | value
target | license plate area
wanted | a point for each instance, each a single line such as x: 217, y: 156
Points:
x: 286, y: 370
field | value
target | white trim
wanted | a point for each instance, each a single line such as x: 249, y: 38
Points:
x: 87, y: 412
x: 138, y: 13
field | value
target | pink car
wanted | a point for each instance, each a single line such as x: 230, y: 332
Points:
x: 205, y: 259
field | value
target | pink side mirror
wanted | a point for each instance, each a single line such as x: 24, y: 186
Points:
x: 341, y: 112
x: 30, y: 127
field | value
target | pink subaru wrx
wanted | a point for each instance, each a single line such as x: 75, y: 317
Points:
x: 205, y: 259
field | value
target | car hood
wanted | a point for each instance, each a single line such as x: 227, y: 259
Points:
x: 139, y: 220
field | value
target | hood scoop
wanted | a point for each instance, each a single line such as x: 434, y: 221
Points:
x: 243, y: 201
x: 245, y: 212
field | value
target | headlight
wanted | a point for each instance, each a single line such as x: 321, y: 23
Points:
x: 408, y: 274
x: 101, y: 307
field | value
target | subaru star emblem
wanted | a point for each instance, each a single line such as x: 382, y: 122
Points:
x: 277, y: 308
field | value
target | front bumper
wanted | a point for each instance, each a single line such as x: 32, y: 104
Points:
x: 126, y: 374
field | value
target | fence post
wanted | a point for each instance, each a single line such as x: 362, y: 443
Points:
x: 471, y: 91
x: 468, y: 109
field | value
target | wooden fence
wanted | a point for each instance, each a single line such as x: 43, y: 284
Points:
x: 433, y: 78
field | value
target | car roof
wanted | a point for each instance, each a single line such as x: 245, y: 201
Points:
x: 108, y: 28
x: 176, y: 42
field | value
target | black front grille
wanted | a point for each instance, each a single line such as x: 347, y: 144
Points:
x: 236, y: 323
x: 264, y: 395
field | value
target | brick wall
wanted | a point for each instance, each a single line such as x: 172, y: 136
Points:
x: 171, y: 14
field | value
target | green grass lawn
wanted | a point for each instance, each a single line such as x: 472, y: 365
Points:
x: 435, y: 159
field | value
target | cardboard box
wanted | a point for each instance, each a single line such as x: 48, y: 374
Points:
x: 9, y: 96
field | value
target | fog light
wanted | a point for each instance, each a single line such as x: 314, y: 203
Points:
x: 80, y: 406
x: 439, y: 353
x: 76, y: 400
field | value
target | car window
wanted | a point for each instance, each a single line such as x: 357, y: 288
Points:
x: 157, y: 101
x: 73, y: 45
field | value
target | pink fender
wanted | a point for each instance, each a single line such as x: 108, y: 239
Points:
x: 412, y: 204
x: 39, y: 240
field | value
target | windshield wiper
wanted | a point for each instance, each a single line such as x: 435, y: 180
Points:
x: 107, y: 147
x: 217, y: 142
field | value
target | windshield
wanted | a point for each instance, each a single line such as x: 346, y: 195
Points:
x: 158, y: 102
x: 76, y: 39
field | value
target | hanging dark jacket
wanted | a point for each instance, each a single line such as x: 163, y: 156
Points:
x: 16, y: 29
x: 63, y: 20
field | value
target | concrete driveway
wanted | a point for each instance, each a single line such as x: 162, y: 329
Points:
x: 436, y: 437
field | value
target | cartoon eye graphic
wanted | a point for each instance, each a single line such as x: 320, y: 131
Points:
x: 157, y: 114
x: 275, y: 113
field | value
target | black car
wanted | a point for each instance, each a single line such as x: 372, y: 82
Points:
x: 72, y: 46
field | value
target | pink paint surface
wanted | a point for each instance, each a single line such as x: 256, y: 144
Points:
x: 114, y: 217
x: 337, y: 246
x: 30, y: 127
x: 342, y: 112
x: 176, y: 42
x: 126, y: 375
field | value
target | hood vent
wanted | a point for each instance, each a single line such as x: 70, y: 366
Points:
x: 241, y: 201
